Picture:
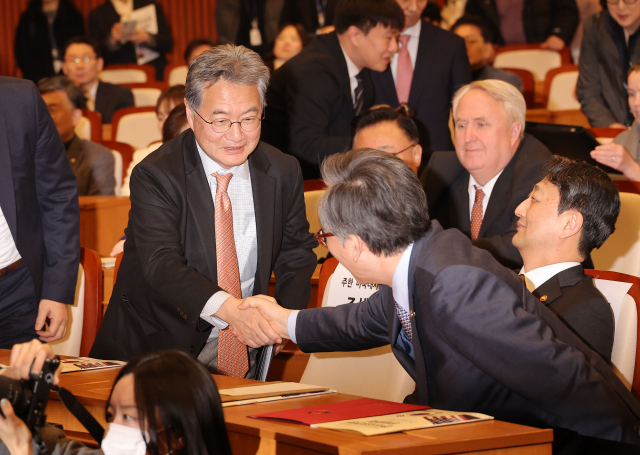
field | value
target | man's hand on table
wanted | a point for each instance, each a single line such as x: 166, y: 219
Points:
x: 272, y: 312
x: 247, y: 323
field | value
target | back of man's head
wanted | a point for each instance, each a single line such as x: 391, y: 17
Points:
x: 591, y: 192
x: 366, y: 14
x: 63, y: 84
x: 375, y: 196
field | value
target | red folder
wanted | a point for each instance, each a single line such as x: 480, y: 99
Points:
x: 344, y: 410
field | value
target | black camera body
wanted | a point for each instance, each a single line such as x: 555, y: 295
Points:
x: 29, y: 397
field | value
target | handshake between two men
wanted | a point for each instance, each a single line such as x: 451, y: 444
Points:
x: 257, y: 321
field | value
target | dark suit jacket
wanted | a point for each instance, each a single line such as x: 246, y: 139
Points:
x: 573, y: 297
x: 540, y: 18
x: 482, y: 343
x: 102, y: 18
x: 310, y: 107
x: 305, y: 12
x: 442, y: 67
x: 93, y: 166
x: 38, y: 191
x: 168, y: 272
x: 446, y: 183
x: 110, y: 98
x: 32, y: 43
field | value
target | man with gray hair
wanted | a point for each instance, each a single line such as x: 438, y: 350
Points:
x: 495, y: 165
x: 464, y: 327
x: 213, y: 213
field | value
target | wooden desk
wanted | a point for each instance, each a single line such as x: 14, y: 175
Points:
x: 102, y: 221
x: 252, y: 436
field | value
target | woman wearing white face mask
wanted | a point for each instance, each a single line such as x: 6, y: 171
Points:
x: 160, y: 403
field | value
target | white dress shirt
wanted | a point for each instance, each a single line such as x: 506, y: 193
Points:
x: 537, y: 277
x: 353, y: 72
x: 412, y: 47
x: 8, y: 250
x: 487, y: 189
x: 91, y: 94
x: 399, y: 287
x: 244, y: 232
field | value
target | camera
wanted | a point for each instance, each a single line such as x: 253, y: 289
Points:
x: 29, y: 397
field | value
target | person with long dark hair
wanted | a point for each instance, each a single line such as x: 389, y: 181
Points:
x: 161, y: 402
x: 43, y: 30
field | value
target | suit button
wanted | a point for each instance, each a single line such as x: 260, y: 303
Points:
x: 192, y: 349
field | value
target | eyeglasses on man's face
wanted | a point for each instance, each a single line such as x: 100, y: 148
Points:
x: 321, y: 236
x: 405, y: 149
x: 223, y: 125
x: 77, y: 60
x: 626, y: 2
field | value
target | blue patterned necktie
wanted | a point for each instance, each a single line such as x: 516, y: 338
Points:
x: 405, y: 320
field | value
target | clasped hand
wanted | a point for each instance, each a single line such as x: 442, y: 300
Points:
x: 256, y: 321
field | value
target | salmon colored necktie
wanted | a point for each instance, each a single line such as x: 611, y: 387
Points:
x: 404, y: 73
x: 233, y: 359
x: 476, y: 213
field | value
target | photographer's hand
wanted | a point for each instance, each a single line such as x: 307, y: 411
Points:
x: 13, y: 431
x: 29, y: 358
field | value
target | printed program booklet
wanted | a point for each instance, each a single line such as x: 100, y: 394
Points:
x: 393, y: 423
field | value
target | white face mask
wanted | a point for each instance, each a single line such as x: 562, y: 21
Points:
x: 123, y: 440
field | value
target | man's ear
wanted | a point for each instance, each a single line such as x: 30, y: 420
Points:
x: 77, y: 115
x: 514, y: 133
x: 189, y: 114
x: 573, y: 224
x: 355, y: 35
x: 356, y: 247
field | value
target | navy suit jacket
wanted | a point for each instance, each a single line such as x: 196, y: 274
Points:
x: 38, y: 191
x: 110, y: 98
x: 441, y: 68
x: 482, y: 343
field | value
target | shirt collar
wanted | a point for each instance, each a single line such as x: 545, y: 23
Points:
x: 488, y: 188
x: 212, y: 167
x: 351, y: 67
x: 414, y: 30
x: 400, y: 280
x: 541, y: 275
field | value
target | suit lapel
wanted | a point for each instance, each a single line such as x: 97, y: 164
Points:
x: 263, y: 187
x: 102, y: 99
x: 343, y: 72
x: 550, y: 290
x: 200, y: 202
x: 426, y: 55
x: 7, y: 192
x: 459, y: 211
x: 388, y: 87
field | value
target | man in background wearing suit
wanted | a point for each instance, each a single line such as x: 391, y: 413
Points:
x: 464, y: 327
x: 39, y: 219
x: 92, y: 163
x: 314, y: 96
x: 213, y: 213
x: 428, y: 69
x: 569, y: 213
x: 82, y: 64
x: 495, y: 165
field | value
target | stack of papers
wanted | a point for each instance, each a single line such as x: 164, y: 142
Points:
x: 87, y: 363
x: 269, y: 392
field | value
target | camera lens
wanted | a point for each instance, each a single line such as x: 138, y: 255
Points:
x: 18, y: 394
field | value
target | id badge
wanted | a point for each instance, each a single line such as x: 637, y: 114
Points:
x: 255, y: 37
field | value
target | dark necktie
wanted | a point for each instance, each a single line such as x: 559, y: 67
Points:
x: 405, y: 320
x: 358, y: 100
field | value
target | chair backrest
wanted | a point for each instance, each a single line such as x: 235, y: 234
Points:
x: 176, y: 74
x: 90, y: 126
x: 146, y: 94
x: 311, y: 199
x: 621, y: 251
x: 528, y: 85
x: 117, y: 170
x: 622, y: 291
x: 560, y: 88
x: 528, y: 57
x: 86, y: 311
x: 126, y: 153
x: 137, y: 126
x: 343, y: 371
x: 127, y: 73
x: 628, y: 186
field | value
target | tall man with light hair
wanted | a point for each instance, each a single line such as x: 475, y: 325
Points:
x: 495, y: 165
x: 213, y: 213
x: 464, y: 327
